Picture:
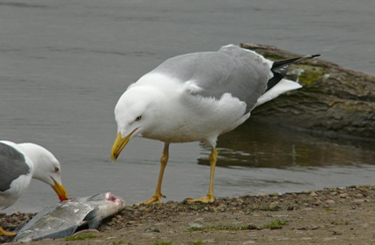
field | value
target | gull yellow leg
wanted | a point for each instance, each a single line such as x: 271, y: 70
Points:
x: 209, y: 198
x: 156, y: 198
x: 6, y: 233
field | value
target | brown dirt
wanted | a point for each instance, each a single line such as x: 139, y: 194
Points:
x: 328, y: 216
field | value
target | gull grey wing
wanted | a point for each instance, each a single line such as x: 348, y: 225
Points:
x: 12, y: 165
x: 242, y: 73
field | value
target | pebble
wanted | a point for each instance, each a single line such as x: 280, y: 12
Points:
x: 313, y: 194
x: 248, y: 242
x: 359, y: 200
x: 307, y: 192
x: 250, y: 204
x: 195, y: 225
x: 152, y: 229
x: 330, y: 201
x: 276, y: 194
x: 273, y: 204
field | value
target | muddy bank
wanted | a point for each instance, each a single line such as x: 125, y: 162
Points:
x: 332, y: 215
x: 333, y: 100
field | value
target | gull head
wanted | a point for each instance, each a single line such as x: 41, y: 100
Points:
x: 135, y: 113
x: 45, y: 167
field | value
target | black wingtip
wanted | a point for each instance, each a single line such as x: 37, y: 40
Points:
x: 280, y: 68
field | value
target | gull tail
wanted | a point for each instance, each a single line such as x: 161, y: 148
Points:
x: 277, y: 85
x: 280, y: 68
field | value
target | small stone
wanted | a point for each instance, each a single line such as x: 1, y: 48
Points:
x: 276, y: 194
x: 313, y: 194
x: 317, y: 203
x: 358, y: 200
x: 142, y: 208
x: 221, y: 208
x: 302, y: 228
x: 110, y: 238
x: 195, y: 225
x: 327, y: 239
x: 252, y: 227
x: 87, y: 231
x: 152, y: 229
x: 248, y: 242
x: 344, y: 195
x: 273, y: 204
x: 330, y: 201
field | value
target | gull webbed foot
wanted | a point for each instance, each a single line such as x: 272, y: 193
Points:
x: 206, y: 199
x: 6, y: 233
x: 152, y: 200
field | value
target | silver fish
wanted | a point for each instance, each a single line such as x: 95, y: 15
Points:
x: 63, y: 219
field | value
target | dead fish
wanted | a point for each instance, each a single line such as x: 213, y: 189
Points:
x: 63, y: 219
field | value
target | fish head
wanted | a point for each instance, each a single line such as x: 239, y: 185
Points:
x: 106, y: 204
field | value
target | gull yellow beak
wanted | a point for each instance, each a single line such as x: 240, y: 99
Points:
x: 119, y: 144
x: 60, y: 191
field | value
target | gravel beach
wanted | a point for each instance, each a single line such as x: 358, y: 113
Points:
x: 328, y: 216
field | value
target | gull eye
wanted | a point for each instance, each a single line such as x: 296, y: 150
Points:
x: 138, y: 118
x: 56, y: 169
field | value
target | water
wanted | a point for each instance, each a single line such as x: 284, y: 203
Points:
x: 64, y: 64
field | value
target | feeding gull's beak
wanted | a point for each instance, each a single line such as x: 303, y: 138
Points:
x: 119, y: 144
x: 60, y: 191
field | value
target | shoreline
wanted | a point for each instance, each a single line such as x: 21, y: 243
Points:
x: 330, y: 215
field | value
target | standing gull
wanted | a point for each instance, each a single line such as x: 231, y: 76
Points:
x: 19, y: 163
x: 197, y: 97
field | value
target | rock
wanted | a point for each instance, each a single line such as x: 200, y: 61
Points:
x: 330, y: 201
x: 313, y: 194
x: 248, y: 242
x: 253, y: 227
x: 273, y: 204
x: 152, y: 229
x: 221, y: 208
x: 344, y: 195
x: 337, y: 233
x: 358, y: 200
x: 85, y: 232
x: 276, y: 194
x: 333, y: 99
x: 195, y: 225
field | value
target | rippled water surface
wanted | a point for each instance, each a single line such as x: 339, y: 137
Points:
x: 64, y: 64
